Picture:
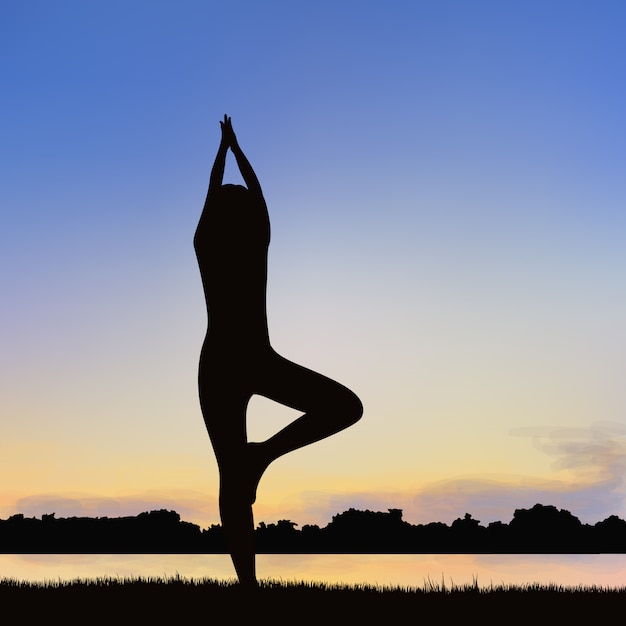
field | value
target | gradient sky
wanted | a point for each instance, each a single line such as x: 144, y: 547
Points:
x: 446, y: 187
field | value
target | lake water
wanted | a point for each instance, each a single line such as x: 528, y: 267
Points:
x: 410, y: 570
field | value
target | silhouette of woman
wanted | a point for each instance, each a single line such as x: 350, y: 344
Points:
x: 237, y: 360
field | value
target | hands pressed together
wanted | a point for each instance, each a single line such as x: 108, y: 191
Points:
x: 229, y: 140
x: 228, y: 134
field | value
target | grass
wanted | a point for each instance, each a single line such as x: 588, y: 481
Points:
x: 178, y: 600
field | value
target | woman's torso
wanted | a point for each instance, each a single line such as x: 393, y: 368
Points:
x: 231, y: 244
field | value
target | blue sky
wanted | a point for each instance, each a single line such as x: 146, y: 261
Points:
x: 445, y: 184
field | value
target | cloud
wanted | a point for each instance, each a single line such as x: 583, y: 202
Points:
x: 596, y: 454
x: 193, y: 506
x: 496, y: 500
x: 591, y: 464
x: 594, y: 457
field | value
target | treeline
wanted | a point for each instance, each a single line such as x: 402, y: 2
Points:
x: 541, y: 529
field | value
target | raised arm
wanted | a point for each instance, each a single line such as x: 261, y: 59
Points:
x: 249, y: 177
x: 217, y: 172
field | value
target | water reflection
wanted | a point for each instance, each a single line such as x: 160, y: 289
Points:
x: 409, y: 570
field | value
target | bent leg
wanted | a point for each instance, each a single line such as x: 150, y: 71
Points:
x: 327, y: 406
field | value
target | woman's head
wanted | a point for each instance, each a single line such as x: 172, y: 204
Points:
x: 233, y: 194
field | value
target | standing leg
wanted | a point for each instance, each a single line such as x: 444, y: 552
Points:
x: 238, y: 526
x: 223, y: 405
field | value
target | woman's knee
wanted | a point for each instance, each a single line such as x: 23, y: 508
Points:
x: 351, y: 407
